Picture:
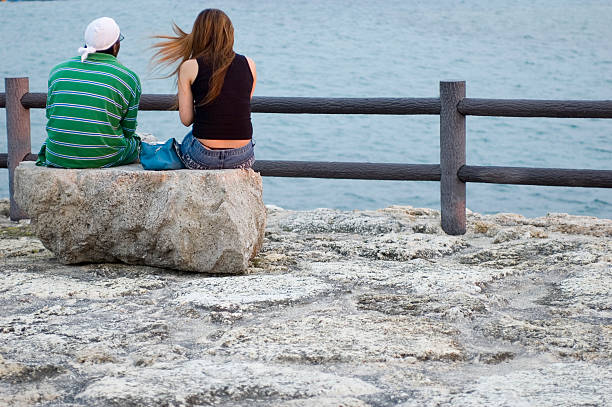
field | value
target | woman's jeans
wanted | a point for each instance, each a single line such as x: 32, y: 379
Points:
x: 197, y: 157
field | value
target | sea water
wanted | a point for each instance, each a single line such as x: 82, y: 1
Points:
x: 524, y: 49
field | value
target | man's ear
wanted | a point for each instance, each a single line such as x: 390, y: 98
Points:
x: 116, y: 48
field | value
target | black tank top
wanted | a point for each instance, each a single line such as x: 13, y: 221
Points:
x: 228, y: 117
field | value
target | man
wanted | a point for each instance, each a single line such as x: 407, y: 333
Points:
x: 92, y: 103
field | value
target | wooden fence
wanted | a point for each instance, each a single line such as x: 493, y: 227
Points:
x: 452, y: 106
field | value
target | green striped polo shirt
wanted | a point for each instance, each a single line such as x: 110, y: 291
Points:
x: 91, y: 114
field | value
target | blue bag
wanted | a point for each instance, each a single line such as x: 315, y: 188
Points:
x: 161, y: 156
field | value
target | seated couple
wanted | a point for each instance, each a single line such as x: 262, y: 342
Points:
x: 92, y: 100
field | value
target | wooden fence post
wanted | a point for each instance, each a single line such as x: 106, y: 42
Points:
x: 452, y: 157
x: 17, y: 133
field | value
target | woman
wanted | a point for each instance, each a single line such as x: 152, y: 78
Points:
x: 215, y: 86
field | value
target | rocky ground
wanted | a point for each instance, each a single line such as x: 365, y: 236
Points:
x: 363, y: 308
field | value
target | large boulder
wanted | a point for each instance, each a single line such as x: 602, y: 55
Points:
x: 204, y: 221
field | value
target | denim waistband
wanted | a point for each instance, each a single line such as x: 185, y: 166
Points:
x: 199, y: 147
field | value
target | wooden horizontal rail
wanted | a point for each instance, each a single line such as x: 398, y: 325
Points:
x: 4, y: 159
x: 264, y: 104
x: 385, y: 106
x: 34, y: 100
x: 157, y: 102
x: 389, y: 106
x: 560, y: 177
x: 322, y: 169
x: 423, y: 172
x: 302, y: 105
x: 348, y: 170
x: 536, y: 108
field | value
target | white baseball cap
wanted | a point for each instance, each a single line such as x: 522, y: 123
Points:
x: 100, y: 34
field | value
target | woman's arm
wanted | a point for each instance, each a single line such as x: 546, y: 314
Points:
x: 253, y: 72
x: 187, y: 74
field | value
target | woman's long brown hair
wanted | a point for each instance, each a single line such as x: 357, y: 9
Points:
x: 212, y: 38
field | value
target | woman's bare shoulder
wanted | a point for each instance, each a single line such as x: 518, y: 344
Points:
x: 251, y: 64
x: 189, y: 70
x: 189, y: 64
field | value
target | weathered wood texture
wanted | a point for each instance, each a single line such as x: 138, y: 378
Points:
x: 536, y: 108
x: 299, y: 105
x: 264, y: 104
x: 157, y: 102
x: 422, y: 172
x: 17, y: 133
x: 452, y: 157
x: 4, y: 159
x: 34, y: 100
x: 561, y: 177
x: 322, y: 169
x: 348, y: 170
x: 385, y: 106
x: 393, y: 106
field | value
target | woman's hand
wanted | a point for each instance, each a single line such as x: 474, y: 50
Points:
x: 187, y: 74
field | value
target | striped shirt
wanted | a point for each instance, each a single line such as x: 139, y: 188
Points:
x: 91, y: 114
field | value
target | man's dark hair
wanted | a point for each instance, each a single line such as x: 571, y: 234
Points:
x: 108, y: 50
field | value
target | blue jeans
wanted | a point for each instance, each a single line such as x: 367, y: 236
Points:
x: 198, y: 157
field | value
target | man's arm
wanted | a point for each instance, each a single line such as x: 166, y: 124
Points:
x: 49, y: 91
x: 128, y: 123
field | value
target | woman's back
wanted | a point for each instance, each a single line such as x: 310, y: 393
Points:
x: 228, y: 116
x: 215, y: 86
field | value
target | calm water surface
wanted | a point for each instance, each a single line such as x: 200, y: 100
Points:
x: 522, y: 49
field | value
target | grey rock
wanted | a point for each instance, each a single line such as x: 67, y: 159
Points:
x: 359, y: 308
x: 241, y: 293
x: 203, y: 221
x: 506, y: 235
x: 206, y: 382
x: 556, y: 384
x: 358, y: 337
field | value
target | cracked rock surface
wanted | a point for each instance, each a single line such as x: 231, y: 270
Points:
x: 361, y: 308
